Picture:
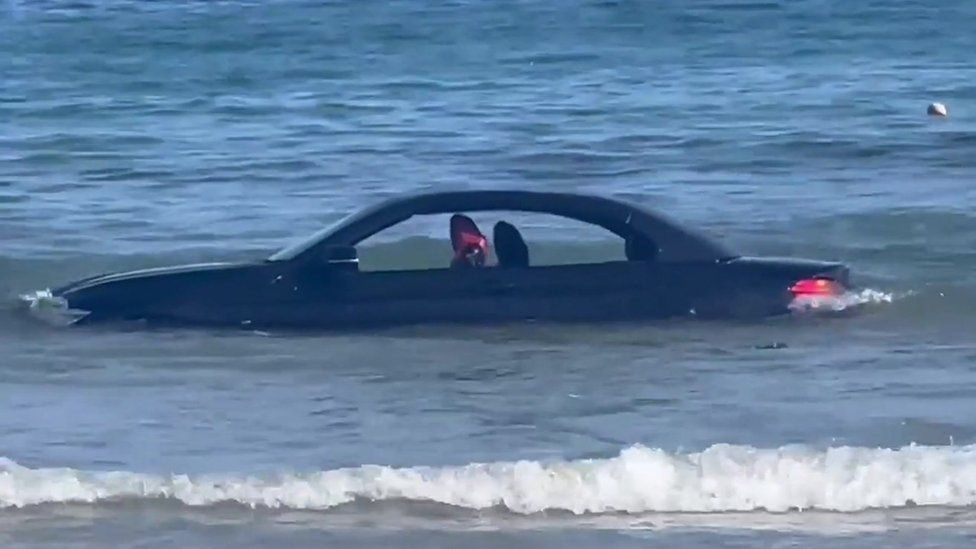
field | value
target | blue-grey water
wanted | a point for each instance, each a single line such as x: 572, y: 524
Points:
x: 138, y: 134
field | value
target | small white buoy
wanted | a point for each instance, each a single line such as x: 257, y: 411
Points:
x: 938, y: 109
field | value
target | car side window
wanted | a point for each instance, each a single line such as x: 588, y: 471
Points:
x: 515, y: 240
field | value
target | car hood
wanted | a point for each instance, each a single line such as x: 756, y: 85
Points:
x: 119, y: 276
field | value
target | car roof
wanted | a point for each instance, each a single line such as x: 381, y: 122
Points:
x: 676, y: 243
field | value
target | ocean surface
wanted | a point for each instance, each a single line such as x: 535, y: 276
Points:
x: 137, y: 134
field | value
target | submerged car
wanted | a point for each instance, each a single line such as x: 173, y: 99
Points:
x: 668, y: 271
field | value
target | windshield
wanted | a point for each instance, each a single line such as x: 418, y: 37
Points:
x: 301, y: 246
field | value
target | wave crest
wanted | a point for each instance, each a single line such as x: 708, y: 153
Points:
x: 638, y: 480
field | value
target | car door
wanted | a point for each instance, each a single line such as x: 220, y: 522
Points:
x: 352, y: 298
x: 615, y: 290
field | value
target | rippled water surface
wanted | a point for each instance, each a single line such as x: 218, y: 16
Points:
x: 138, y: 134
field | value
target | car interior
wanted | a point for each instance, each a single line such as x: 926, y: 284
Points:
x: 508, y: 245
x: 511, y: 249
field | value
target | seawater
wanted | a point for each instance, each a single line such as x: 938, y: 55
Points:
x: 136, y: 135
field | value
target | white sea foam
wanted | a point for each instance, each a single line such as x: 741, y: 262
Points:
x: 638, y: 480
x: 45, y: 306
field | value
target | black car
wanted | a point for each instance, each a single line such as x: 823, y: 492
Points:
x: 669, y: 271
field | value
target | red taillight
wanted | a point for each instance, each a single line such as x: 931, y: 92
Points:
x: 816, y: 287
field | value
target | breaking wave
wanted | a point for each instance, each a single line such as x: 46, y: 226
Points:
x: 721, y: 478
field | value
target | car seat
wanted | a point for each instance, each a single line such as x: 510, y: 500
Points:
x: 510, y: 246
